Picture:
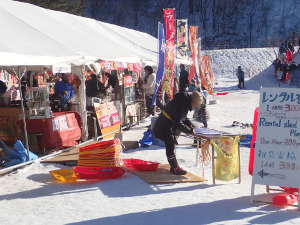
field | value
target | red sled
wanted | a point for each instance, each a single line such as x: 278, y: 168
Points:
x: 141, y: 165
x: 284, y: 199
x: 290, y: 190
x: 98, y: 173
x: 222, y: 93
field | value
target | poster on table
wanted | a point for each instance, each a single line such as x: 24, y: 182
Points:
x: 194, y: 69
x: 277, y: 149
x: 131, y: 113
x: 129, y: 90
x: 108, y: 119
x: 206, y: 74
x: 182, y: 38
x: 170, y: 52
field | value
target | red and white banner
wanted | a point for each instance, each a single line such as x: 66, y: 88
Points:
x: 170, y: 52
x: 110, y: 65
x: 194, y: 69
x: 128, y: 82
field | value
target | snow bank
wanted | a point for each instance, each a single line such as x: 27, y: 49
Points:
x: 252, y: 60
x: 256, y: 63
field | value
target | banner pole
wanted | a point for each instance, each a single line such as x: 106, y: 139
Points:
x: 299, y: 202
x: 23, y: 110
x: 252, y: 192
x: 158, y: 50
x: 199, y: 59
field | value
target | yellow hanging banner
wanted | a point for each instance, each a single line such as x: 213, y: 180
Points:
x: 227, y: 163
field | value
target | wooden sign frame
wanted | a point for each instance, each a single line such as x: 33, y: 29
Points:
x: 278, y: 137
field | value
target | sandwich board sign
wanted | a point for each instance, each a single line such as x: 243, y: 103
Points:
x: 277, y: 148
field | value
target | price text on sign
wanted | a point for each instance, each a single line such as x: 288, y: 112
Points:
x: 105, y: 121
x: 277, y: 151
x: 107, y: 115
x: 60, y: 123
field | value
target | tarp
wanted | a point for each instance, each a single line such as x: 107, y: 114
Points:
x: 32, y: 35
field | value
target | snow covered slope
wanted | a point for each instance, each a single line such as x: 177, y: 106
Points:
x: 256, y: 63
x: 252, y: 60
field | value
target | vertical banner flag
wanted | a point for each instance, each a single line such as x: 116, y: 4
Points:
x: 194, y: 49
x: 206, y: 74
x: 182, y: 38
x: 170, y: 54
x: 161, y: 61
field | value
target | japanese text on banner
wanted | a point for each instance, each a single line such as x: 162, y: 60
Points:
x: 194, y: 49
x: 170, y: 54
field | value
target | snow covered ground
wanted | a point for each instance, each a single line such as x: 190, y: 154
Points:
x: 30, y: 196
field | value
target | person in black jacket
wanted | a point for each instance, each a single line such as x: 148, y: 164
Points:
x: 241, y: 76
x: 94, y: 87
x: 291, y: 47
x: 28, y: 81
x: 112, y: 79
x: 172, y: 121
x: 3, y: 88
x: 183, y: 79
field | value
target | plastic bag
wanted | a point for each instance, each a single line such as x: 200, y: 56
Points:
x: 147, y: 139
x: 18, y: 155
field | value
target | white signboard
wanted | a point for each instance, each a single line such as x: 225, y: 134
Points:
x: 61, y: 68
x: 277, y: 149
x: 60, y: 123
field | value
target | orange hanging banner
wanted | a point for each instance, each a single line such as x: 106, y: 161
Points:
x: 193, y: 38
x: 207, y: 76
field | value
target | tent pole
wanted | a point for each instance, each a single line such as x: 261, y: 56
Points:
x: 83, y: 111
x: 23, y: 109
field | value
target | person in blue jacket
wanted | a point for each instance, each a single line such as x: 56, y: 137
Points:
x: 64, y: 90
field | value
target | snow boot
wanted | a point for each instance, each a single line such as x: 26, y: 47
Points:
x: 177, y: 171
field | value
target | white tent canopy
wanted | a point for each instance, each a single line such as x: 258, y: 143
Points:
x: 34, y: 35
